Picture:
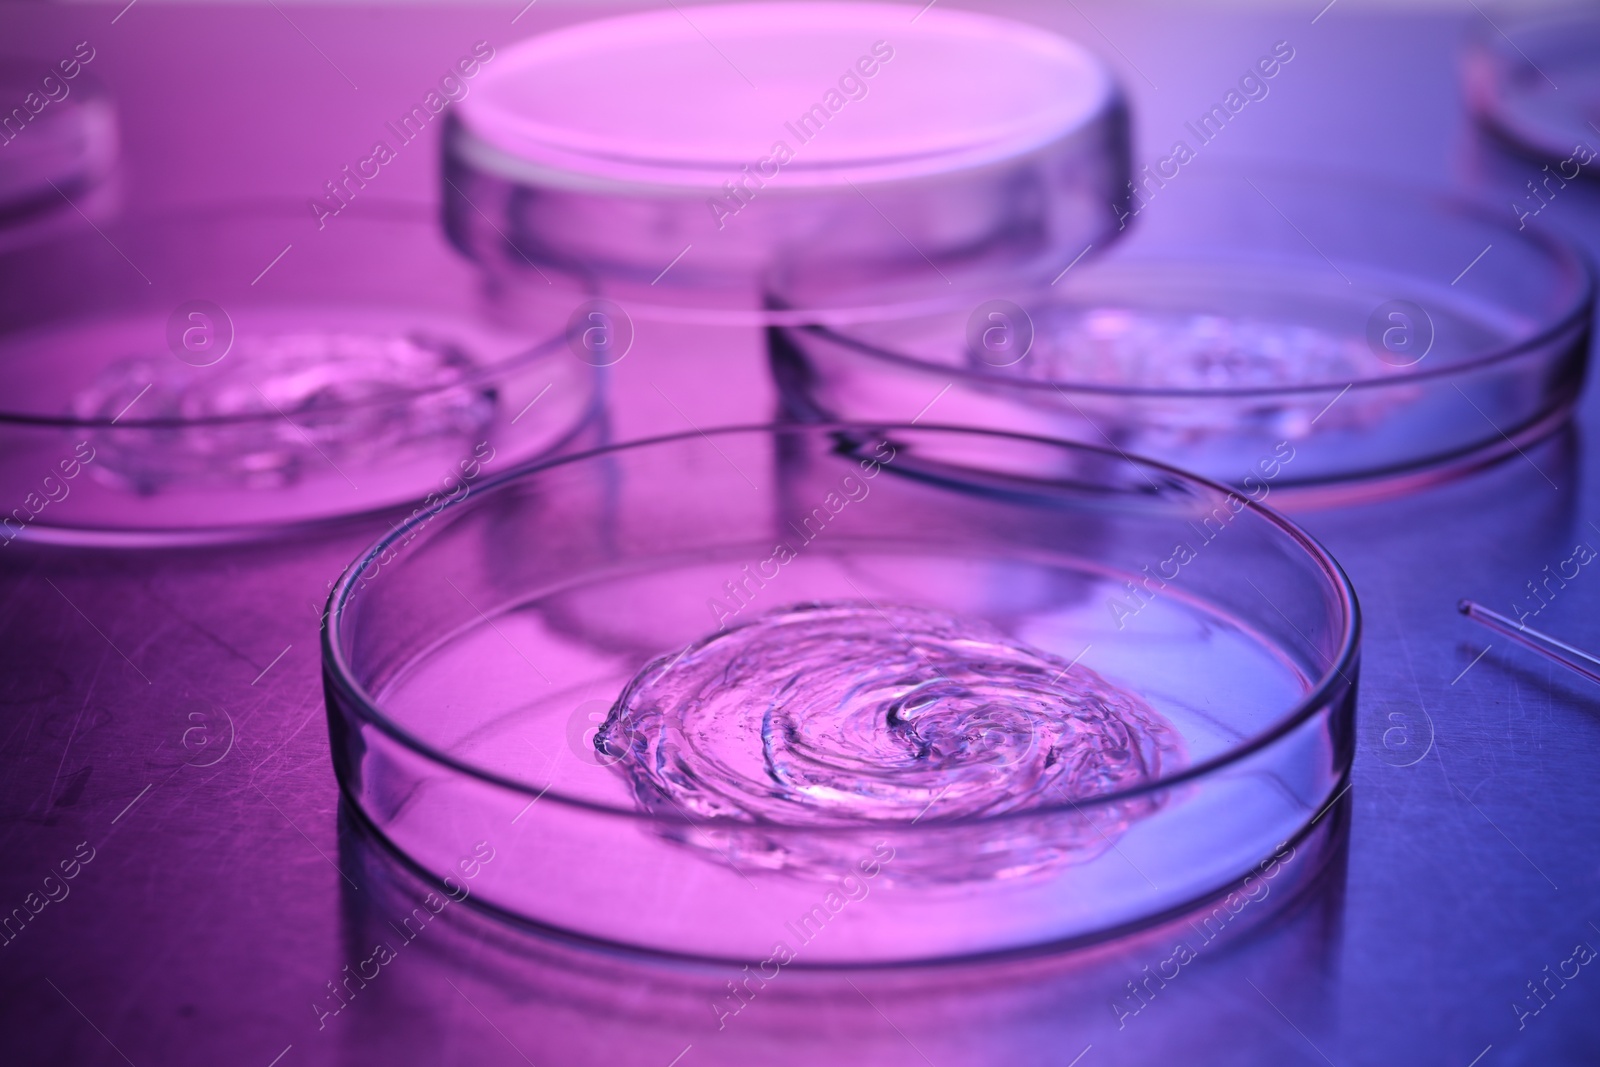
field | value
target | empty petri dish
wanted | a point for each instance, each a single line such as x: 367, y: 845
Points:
x: 230, y: 371
x: 1320, y: 338
x: 875, y: 695
x: 1533, y: 79
x: 677, y: 160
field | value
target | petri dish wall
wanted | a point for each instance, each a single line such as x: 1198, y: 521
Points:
x: 231, y: 371
x: 1531, y: 77
x: 489, y: 668
x: 689, y: 163
x: 58, y: 146
x: 1317, y: 339
x: 544, y: 992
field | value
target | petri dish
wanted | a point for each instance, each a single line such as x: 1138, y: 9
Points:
x: 1285, y: 935
x: 677, y: 161
x: 1537, y: 85
x: 1316, y: 339
x: 58, y: 146
x: 481, y: 661
x: 233, y: 370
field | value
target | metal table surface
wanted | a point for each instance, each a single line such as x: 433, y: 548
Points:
x: 219, y: 890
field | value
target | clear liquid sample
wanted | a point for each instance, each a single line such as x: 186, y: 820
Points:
x: 527, y: 696
x: 1152, y: 349
x: 844, y: 726
x: 303, y: 398
x: 847, y: 713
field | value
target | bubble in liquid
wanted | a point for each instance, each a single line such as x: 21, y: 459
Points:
x: 839, y: 716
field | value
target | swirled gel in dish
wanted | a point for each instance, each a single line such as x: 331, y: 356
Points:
x: 848, y: 717
x: 1143, y: 348
x: 283, y: 405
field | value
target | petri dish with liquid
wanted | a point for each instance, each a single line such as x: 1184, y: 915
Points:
x: 1312, y: 338
x: 877, y: 694
x: 229, y: 372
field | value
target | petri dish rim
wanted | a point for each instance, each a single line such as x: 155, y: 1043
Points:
x: 1486, y: 92
x: 379, y: 212
x: 1335, y: 833
x: 1575, y: 264
x: 582, y: 159
x: 338, y: 675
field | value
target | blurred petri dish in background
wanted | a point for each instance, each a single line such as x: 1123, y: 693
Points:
x: 476, y: 659
x: 1534, y: 78
x: 675, y: 160
x: 229, y: 371
x: 58, y: 147
x: 1314, y: 339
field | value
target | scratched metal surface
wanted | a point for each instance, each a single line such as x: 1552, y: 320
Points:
x: 224, y: 890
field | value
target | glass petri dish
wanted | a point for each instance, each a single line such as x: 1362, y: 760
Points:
x: 676, y: 160
x: 1537, y: 85
x: 476, y: 660
x: 231, y: 371
x: 1320, y: 338
x: 58, y: 146
x: 543, y: 991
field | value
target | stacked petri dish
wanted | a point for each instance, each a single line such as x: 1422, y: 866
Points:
x: 58, y: 147
x: 858, y: 690
x: 701, y: 166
